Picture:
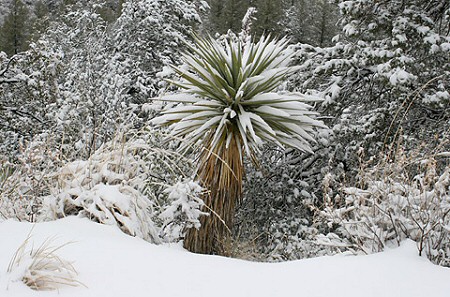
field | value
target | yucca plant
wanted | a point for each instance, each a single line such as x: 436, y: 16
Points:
x: 229, y: 104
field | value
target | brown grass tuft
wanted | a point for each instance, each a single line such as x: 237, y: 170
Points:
x: 42, y: 269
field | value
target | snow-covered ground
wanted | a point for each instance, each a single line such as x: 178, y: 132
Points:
x: 112, y: 264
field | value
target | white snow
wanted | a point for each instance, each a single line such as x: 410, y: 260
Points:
x: 113, y: 264
x: 400, y: 76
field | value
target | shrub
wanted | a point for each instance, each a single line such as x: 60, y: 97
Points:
x: 404, y: 197
x: 120, y: 184
x: 183, y: 210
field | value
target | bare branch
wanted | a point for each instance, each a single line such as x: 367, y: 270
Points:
x: 3, y: 78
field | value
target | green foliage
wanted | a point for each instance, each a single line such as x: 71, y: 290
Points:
x: 42, y: 19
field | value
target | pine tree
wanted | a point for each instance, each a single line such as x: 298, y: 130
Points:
x: 15, y: 31
x: 268, y: 17
x: 327, y: 26
x: 226, y: 15
x: 310, y: 22
x: 41, y: 19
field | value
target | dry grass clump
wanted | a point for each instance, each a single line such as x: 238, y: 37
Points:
x: 42, y: 269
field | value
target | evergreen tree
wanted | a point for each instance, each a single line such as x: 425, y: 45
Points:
x: 41, y: 19
x: 268, y: 17
x: 15, y: 31
x: 159, y: 30
x: 110, y: 10
x: 226, y: 15
x: 311, y: 22
x: 327, y: 26
x: 84, y: 77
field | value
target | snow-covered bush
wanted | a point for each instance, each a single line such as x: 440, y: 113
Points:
x: 126, y: 182
x: 387, y: 71
x: 389, y: 205
x: 120, y: 184
x: 275, y: 215
x: 22, y: 99
x: 184, y: 209
x: 26, y: 180
x: 158, y: 30
x: 119, y: 205
x: 386, y: 75
x: 89, y: 99
x: 63, y: 102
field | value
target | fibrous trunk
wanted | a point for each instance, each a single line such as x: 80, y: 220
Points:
x: 220, y: 172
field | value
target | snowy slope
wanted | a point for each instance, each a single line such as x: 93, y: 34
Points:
x: 113, y: 264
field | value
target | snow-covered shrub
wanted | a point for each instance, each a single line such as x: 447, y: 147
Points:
x: 5, y: 173
x: 26, y: 180
x: 119, y: 205
x: 41, y: 268
x: 387, y: 70
x: 386, y: 75
x: 184, y: 209
x: 294, y: 238
x: 120, y: 184
x: 23, y: 100
x: 389, y: 205
x: 64, y: 99
x: 275, y: 220
x: 126, y: 182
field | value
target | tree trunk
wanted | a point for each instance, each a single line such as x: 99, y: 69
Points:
x: 220, y: 172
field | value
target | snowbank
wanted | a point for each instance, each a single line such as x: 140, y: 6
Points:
x: 113, y: 264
